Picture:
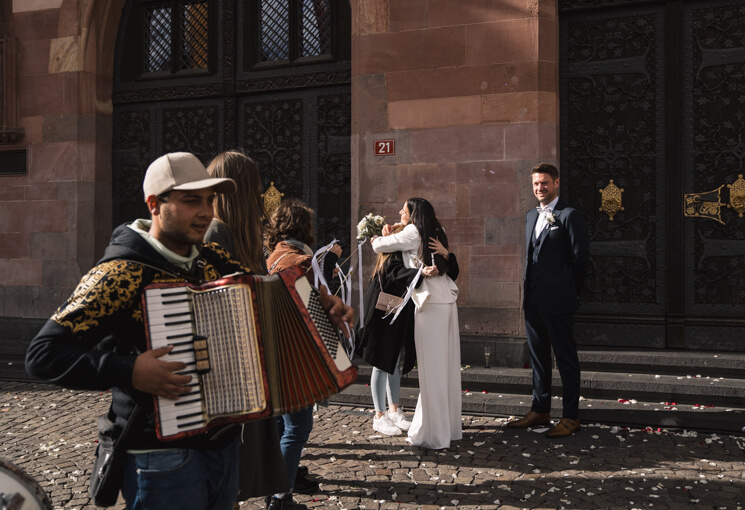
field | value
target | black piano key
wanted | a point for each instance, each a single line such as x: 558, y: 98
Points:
x: 182, y: 401
x: 189, y: 415
x: 174, y: 301
x: 190, y: 424
x: 182, y: 335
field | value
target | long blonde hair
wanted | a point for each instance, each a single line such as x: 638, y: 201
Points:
x: 243, y: 211
x: 382, y: 257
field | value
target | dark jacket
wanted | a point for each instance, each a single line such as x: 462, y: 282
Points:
x: 92, y: 340
x: 382, y: 341
x: 557, y: 260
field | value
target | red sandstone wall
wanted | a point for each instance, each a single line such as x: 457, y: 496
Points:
x: 55, y: 220
x: 468, y: 89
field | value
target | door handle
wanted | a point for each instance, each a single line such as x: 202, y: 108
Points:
x: 272, y: 198
x: 612, y: 199
x: 709, y: 203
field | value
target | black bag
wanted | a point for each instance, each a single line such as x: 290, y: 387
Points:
x: 108, y: 466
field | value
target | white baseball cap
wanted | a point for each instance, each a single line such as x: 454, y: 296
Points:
x: 182, y: 171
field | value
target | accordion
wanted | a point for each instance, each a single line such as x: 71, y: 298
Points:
x: 256, y: 346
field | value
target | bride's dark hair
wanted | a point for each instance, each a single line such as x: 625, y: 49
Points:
x: 422, y: 216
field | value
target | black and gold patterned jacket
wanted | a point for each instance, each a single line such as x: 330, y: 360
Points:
x: 92, y: 340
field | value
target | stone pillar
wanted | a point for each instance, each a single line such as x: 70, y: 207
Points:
x: 56, y: 219
x: 469, y: 92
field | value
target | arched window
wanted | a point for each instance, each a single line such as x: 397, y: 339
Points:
x: 292, y: 31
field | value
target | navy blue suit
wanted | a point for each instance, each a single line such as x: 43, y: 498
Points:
x: 554, y: 274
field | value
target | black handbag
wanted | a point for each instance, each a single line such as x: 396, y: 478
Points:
x: 108, y: 466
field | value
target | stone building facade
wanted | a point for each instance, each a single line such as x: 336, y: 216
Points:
x: 468, y: 91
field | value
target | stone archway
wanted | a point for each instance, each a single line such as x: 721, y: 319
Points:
x: 99, y: 24
x: 56, y: 214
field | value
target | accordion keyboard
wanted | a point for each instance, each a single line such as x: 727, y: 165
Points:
x: 328, y: 332
x: 170, y: 323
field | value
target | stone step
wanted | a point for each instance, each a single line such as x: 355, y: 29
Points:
x: 644, y: 399
x: 704, y: 390
x: 682, y: 363
x: 631, y: 413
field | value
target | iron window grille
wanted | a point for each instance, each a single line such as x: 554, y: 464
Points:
x: 176, y: 37
x: 295, y: 31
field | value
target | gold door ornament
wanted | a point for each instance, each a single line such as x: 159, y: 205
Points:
x: 737, y: 195
x: 612, y: 197
x: 272, y: 198
x: 704, y: 205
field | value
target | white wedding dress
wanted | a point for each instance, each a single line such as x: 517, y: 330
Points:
x: 437, y: 418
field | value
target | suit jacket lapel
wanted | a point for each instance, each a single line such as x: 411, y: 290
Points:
x: 556, y: 212
x: 532, y: 219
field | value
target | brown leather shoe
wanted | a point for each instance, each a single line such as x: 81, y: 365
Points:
x: 530, y: 419
x: 564, y: 428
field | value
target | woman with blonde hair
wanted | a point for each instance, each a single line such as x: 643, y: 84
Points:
x: 239, y: 218
x: 385, y: 343
x: 238, y: 228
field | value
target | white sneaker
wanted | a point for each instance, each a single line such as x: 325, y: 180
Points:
x: 399, y: 420
x: 385, y: 426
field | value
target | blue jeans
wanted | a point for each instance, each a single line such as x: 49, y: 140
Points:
x: 294, y: 431
x: 182, y: 478
x: 378, y: 385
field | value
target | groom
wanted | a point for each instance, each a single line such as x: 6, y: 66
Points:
x: 557, y: 256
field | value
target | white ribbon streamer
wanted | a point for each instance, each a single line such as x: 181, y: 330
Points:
x: 407, y: 296
x: 345, y: 287
x: 317, y: 265
x: 345, y: 284
x: 359, y: 275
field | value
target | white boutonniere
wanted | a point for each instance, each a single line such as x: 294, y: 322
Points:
x: 550, y: 218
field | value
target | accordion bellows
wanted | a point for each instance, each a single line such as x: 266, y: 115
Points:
x: 256, y: 346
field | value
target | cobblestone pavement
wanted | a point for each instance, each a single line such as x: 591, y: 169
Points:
x: 50, y: 433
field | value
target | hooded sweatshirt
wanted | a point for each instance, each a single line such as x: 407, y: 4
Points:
x: 91, y: 342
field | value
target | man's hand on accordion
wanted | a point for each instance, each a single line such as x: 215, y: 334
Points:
x: 151, y: 375
x: 340, y: 315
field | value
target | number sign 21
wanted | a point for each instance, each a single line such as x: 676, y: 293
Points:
x: 385, y: 147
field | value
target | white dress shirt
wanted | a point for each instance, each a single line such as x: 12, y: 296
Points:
x: 542, y: 212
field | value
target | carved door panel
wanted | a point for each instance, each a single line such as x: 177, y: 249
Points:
x: 143, y: 132
x: 301, y: 141
x: 203, y: 87
x: 649, y: 112
x: 714, y: 156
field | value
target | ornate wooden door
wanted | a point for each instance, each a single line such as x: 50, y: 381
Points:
x: 270, y: 77
x: 652, y: 149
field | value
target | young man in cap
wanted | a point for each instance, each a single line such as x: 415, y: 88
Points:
x: 96, y: 340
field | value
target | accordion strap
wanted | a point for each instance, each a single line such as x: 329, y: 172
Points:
x: 271, y: 269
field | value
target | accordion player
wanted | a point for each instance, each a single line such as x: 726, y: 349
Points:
x: 256, y: 346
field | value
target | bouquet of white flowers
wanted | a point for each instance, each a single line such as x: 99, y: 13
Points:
x: 369, y: 226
